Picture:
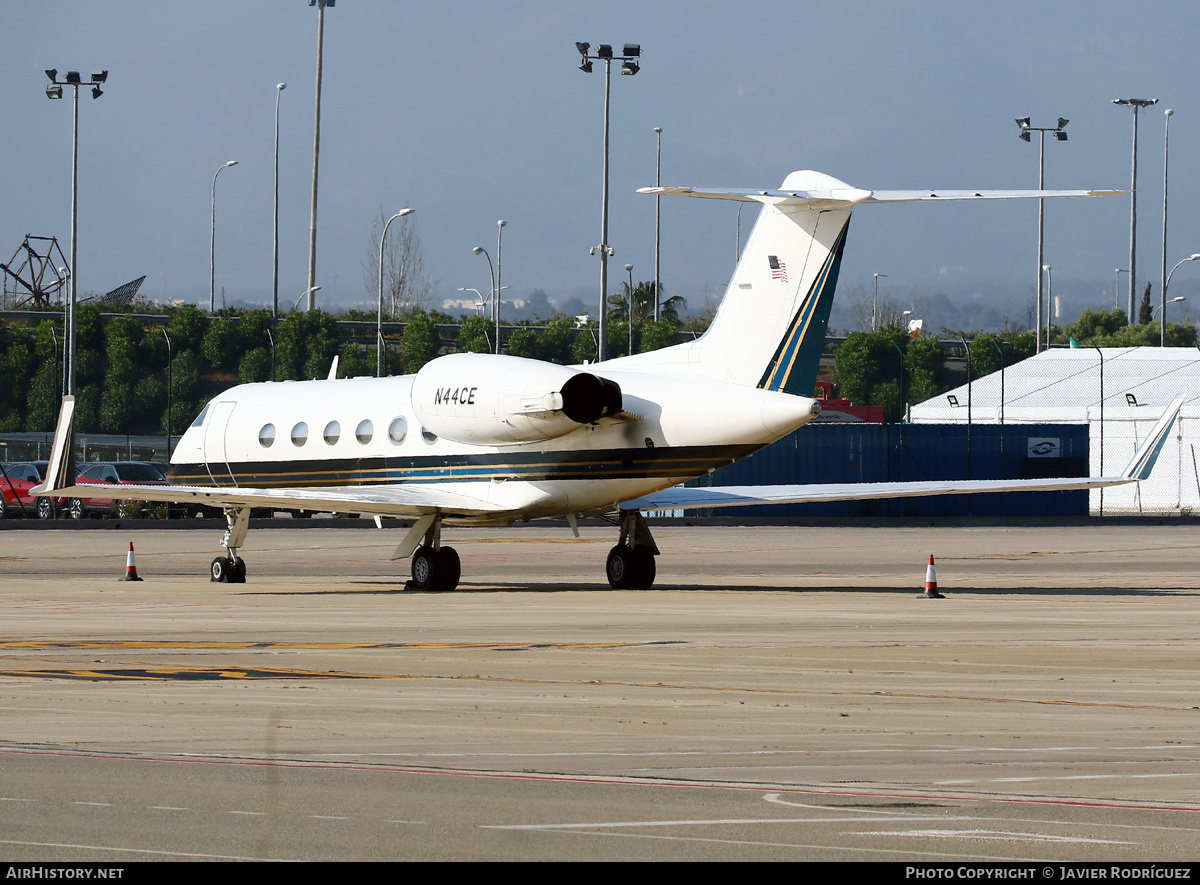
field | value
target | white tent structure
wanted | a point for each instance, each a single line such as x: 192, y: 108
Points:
x: 1064, y: 386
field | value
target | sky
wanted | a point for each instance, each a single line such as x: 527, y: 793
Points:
x: 470, y: 112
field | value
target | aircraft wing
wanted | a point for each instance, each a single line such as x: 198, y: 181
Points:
x: 684, y: 498
x: 393, y: 500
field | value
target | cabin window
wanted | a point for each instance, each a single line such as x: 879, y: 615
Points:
x: 300, y: 434
x: 365, y: 431
x: 428, y: 435
x: 398, y: 430
x: 333, y: 432
x: 200, y: 418
x: 266, y: 436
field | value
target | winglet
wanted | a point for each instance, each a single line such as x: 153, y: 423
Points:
x: 1143, y: 459
x: 60, y: 474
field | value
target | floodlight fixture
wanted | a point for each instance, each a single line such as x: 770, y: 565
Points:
x: 99, y: 76
x: 1026, y: 135
x: 633, y: 50
x: 583, y: 47
x: 629, y: 68
x: 96, y: 92
x: 53, y: 91
x: 52, y: 73
x: 72, y: 77
x: 604, y: 51
x: 1130, y: 399
x: 586, y: 67
x: 953, y: 400
x: 1135, y: 102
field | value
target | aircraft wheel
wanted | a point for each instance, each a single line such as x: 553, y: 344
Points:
x: 237, y: 571
x: 644, y: 569
x: 620, y: 567
x: 451, y: 569
x: 219, y: 570
x: 45, y: 508
x: 75, y: 508
x: 426, y: 569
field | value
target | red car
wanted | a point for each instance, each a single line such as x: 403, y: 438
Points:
x: 101, y: 473
x: 15, y: 482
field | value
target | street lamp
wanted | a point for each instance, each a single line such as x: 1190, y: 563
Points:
x: 1175, y: 300
x: 1134, y: 103
x: 657, y: 198
x: 500, y: 225
x: 630, y: 65
x: 1117, y: 287
x: 479, y: 250
x: 875, y: 304
x: 1162, y: 289
x: 212, y: 252
x: 1193, y: 257
x: 312, y: 226
x: 1049, y: 300
x: 1059, y: 135
x: 379, y: 311
x: 629, y: 306
x: 279, y: 87
x: 55, y: 91
x: 307, y: 292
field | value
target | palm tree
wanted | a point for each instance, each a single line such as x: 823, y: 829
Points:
x: 643, y: 304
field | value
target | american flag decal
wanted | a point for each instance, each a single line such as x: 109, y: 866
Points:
x: 778, y: 268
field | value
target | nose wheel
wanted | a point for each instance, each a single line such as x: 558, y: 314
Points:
x: 231, y: 568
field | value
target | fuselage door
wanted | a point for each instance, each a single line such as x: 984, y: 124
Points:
x: 216, y: 459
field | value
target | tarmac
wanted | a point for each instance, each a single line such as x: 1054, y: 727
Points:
x: 784, y: 693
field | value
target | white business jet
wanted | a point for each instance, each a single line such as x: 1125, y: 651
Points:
x: 483, y: 439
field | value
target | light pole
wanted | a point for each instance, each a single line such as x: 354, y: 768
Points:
x: 875, y: 304
x: 630, y: 65
x: 479, y: 302
x: 1163, y: 316
x: 212, y: 252
x: 479, y: 250
x: 312, y: 226
x: 1117, y: 288
x: 1059, y: 135
x: 168, y: 337
x: 279, y: 87
x: 500, y: 225
x: 54, y: 91
x: 1134, y: 103
x: 1195, y: 256
x: 657, y: 198
x: 1162, y: 289
x: 629, y: 306
x: 379, y: 311
x: 1049, y: 300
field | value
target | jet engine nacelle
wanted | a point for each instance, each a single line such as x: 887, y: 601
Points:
x: 490, y: 399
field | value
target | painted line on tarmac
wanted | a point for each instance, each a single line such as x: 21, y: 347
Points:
x: 124, y: 850
x: 184, y: 644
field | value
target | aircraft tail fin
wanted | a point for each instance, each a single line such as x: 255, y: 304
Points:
x: 60, y: 473
x: 770, y: 328
x: 1143, y: 459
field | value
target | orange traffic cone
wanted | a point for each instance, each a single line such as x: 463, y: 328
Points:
x: 130, y: 567
x: 931, y: 591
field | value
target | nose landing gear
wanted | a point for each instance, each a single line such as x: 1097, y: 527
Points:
x: 630, y: 564
x: 230, y: 568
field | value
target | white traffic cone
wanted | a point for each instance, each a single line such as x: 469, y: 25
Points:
x: 931, y: 591
x: 130, y: 567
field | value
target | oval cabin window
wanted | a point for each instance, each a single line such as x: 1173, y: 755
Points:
x: 266, y: 436
x: 300, y: 434
x: 398, y: 430
x: 364, y: 432
x: 333, y: 432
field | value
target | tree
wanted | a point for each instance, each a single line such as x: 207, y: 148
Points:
x: 474, y: 335
x: 420, y: 342
x: 1145, y: 312
x: 643, y: 304
x: 406, y: 285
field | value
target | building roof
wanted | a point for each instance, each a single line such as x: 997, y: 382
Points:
x: 1063, y: 385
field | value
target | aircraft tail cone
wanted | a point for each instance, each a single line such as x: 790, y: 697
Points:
x: 931, y: 591
x: 130, y: 566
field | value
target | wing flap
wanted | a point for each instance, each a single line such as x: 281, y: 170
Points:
x: 381, y: 500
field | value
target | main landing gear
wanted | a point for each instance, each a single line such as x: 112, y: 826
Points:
x: 230, y: 568
x: 631, y: 563
x: 434, y: 567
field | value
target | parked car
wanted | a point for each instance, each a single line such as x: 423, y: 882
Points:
x: 103, y: 473
x: 15, y: 482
